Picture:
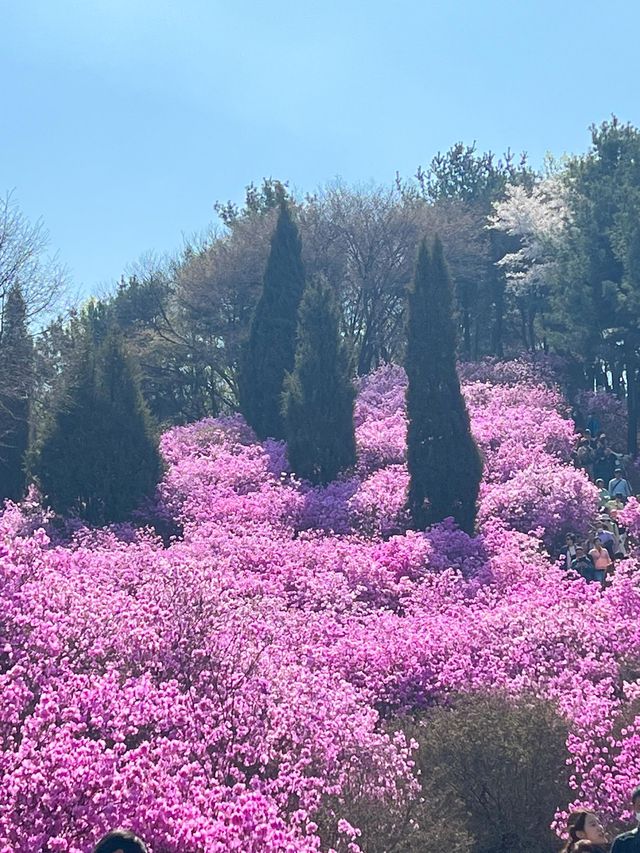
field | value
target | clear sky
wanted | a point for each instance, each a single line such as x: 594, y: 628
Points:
x: 122, y: 121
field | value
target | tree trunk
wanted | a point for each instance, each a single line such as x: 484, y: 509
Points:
x: 531, y: 327
x: 632, y: 397
x: 466, y: 332
x: 497, y: 344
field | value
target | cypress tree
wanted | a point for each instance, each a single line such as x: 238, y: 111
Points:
x: 270, y: 351
x: 16, y: 376
x: 99, y: 457
x: 319, y: 395
x: 444, y: 463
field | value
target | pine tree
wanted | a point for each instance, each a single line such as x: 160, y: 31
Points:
x: 99, y: 457
x: 444, y: 463
x: 270, y: 351
x: 319, y: 396
x: 16, y: 378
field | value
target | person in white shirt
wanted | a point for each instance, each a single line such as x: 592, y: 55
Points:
x: 619, y: 487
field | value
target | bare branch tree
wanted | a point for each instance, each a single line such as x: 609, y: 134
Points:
x: 23, y: 261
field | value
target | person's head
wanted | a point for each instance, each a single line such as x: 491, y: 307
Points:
x: 635, y: 802
x: 571, y: 539
x: 618, y: 473
x: 597, y: 544
x: 587, y: 433
x: 600, y: 483
x: 579, y: 551
x: 585, y: 826
x: 120, y: 841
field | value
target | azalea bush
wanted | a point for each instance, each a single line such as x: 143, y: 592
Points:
x: 240, y: 685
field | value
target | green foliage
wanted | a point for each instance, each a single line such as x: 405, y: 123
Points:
x: 319, y: 395
x: 170, y: 347
x: 258, y: 200
x: 463, y: 173
x: 16, y: 380
x: 98, y: 458
x: 598, y: 302
x: 270, y: 351
x: 477, y: 180
x: 491, y: 770
x: 498, y: 767
x: 444, y: 463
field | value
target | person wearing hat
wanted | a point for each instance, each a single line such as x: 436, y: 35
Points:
x: 629, y: 842
x: 619, y: 487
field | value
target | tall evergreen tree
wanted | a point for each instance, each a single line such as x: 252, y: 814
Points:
x: 444, y: 463
x: 270, y: 351
x: 16, y: 378
x: 99, y: 457
x: 319, y: 395
x: 598, y: 301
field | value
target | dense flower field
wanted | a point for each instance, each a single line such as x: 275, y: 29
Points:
x: 220, y: 693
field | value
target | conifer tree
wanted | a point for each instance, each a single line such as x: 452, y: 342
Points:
x: 319, y: 395
x: 270, y: 351
x: 16, y: 377
x: 444, y: 463
x: 99, y: 457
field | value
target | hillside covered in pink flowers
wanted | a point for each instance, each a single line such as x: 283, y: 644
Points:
x: 237, y: 687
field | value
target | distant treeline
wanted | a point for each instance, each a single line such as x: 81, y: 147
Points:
x: 539, y: 261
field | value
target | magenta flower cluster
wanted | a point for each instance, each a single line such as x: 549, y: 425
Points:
x: 226, y: 692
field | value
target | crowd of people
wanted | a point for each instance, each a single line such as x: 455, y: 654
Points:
x: 594, y: 557
x: 587, y: 835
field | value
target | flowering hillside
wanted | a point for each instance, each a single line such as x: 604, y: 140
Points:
x: 226, y: 692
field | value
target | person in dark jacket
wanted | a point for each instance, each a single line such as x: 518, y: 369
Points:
x: 629, y: 842
x: 120, y: 841
x: 607, y: 465
x: 583, y: 565
x: 585, y: 833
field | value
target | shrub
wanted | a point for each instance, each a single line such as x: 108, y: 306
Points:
x: 498, y: 766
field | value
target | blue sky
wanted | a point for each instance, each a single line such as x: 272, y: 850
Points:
x: 122, y: 121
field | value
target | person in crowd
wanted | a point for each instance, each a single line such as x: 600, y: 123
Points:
x: 607, y: 465
x: 584, y: 826
x: 601, y: 465
x: 601, y: 560
x: 619, y: 486
x: 585, y: 456
x: 593, y: 425
x: 629, y: 842
x: 120, y: 841
x: 583, y: 564
x: 604, y: 494
x: 621, y: 545
x: 613, y: 507
x: 570, y: 549
x: 605, y: 535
